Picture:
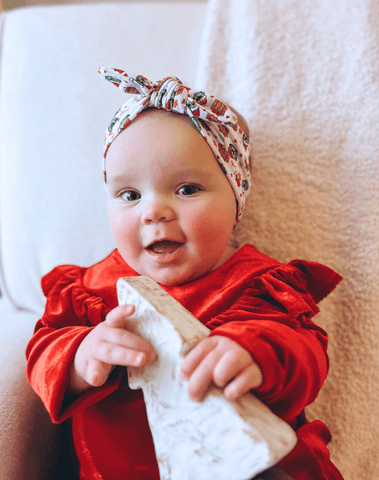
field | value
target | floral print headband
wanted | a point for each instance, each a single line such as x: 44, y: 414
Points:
x: 214, y: 120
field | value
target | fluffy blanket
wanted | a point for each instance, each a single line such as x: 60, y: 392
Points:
x: 305, y: 74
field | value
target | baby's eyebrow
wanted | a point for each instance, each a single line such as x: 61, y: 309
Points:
x: 118, y: 178
x: 191, y: 174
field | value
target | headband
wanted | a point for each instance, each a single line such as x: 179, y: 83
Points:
x: 214, y: 120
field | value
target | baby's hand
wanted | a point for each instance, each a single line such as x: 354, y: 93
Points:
x: 220, y: 360
x: 106, y: 346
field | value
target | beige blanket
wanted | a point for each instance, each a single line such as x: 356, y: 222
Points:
x: 305, y: 74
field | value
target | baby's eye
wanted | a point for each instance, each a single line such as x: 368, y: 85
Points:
x: 130, y: 195
x: 188, y: 190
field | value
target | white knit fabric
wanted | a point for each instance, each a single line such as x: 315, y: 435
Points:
x: 308, y: 85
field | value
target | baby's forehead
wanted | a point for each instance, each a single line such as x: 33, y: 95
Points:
x: 158, y: 129
x: 156, y: 134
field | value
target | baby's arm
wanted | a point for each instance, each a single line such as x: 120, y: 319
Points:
x: 224, y: 362
x: 107, y: 345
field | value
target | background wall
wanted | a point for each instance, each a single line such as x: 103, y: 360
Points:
x: 10, y: 4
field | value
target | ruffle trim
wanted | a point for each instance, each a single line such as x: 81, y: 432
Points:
x: 321, y: 280
x: 297, y: 286
x: 286, y: 293
x: 68, y: 301
x: 288, y: 287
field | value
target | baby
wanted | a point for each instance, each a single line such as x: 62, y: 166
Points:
x: 176, y: 166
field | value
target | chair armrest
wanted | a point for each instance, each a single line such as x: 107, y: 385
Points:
x: 29, y: 441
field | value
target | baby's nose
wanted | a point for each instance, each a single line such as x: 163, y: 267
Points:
x: 158, y: 211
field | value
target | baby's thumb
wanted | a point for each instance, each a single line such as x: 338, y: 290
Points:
x: 116, y: 317
x: 97, y: 373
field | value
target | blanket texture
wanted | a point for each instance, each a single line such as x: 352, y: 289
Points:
x: 305, y: 74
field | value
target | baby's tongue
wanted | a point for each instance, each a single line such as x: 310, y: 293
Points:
x: 165, y: 246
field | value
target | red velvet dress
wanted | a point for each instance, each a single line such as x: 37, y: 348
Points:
x: 264, y: 305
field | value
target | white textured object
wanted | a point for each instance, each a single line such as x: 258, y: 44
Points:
x: 215, y: 438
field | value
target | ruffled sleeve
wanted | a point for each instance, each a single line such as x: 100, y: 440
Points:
x: 272, y: 320
x: 68, y: 302
x: 319, y: 279
x: 70, y: 315
x: 287, y: 293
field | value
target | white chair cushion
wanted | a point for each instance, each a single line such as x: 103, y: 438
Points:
x: 54, y: 111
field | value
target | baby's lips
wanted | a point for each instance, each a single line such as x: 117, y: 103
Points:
x: 164, y: 246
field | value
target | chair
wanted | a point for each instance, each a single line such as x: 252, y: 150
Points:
x: 311, y: 74
x: 49, y: 82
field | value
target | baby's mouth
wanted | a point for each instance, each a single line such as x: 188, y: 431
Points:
x: 164, y: 246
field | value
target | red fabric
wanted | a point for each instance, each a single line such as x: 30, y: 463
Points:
x: 264, y: 305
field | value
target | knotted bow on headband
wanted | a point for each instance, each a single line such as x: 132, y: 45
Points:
x: 213, y: 119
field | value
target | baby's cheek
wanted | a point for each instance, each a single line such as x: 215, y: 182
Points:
x: 115, y: 224
x: 213, y: 229
x: 123, y: 231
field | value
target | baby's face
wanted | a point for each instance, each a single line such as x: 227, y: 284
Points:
x: 171, y: 208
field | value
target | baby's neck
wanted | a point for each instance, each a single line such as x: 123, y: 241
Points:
x: 228, y: 253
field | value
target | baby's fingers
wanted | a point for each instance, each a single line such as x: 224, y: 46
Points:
x: 249, y: 378
x: 112, y: 354
x: 115, y: 330
x: 196, y: 356
x: 128, y: 340
x: 231, y: 364
x: 117, y: 317
x: 97, y: 373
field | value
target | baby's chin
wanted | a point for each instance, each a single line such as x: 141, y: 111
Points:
x: 170, y: 280
x: 171, y: 277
